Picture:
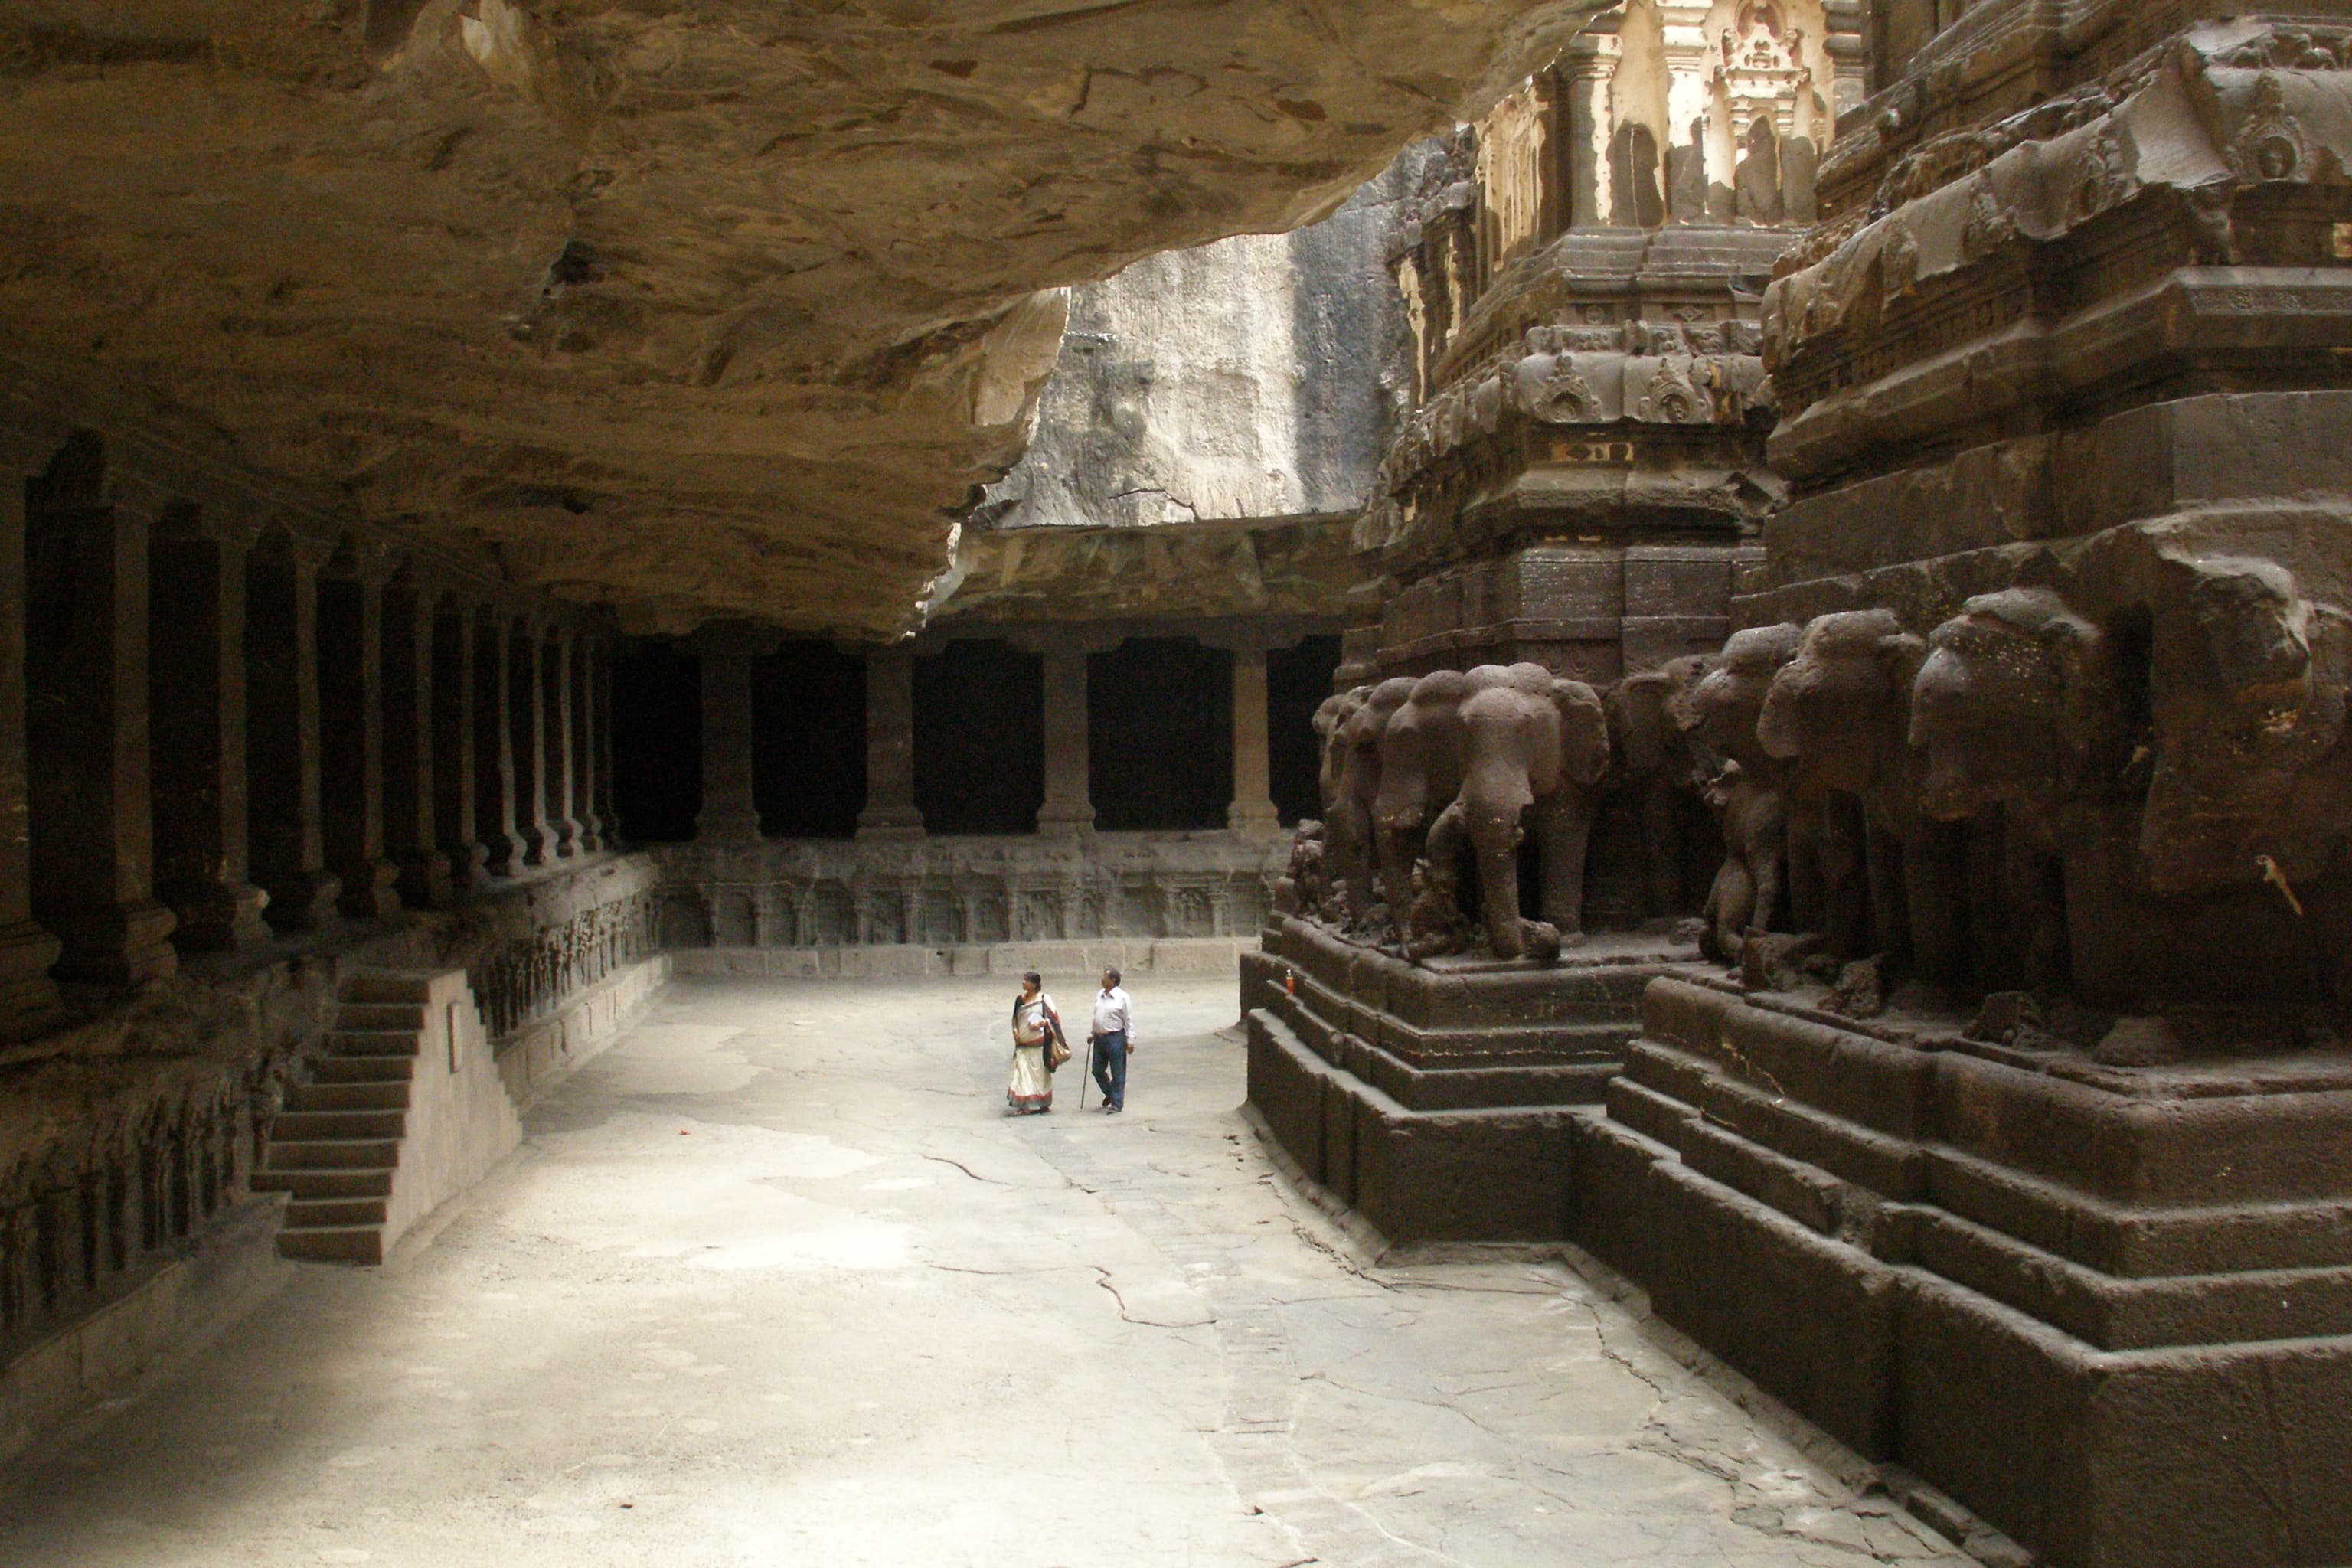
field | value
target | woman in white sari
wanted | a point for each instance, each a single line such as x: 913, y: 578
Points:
x: 1034, y: 1028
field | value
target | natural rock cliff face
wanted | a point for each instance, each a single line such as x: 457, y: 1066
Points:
x: 712, y: 309
x: 1257, y: 377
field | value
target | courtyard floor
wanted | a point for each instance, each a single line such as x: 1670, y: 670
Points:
x: 775, y: 1282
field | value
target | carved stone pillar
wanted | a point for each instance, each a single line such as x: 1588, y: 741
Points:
x: 454, y: 823
x: 1586, y: 72
x: 587, y: 731
x: 410, y: 785
x: 1252, y: 811
x: 86, y: 683
x: 28, y: 999
x: 494, y: 752
x: 561, y: 720
x: 602, y: 760
x: 728, y: 814
x: 197, y: 706
x: 286, y: 837
x: 527, y: 725
x: 1069, y: 806
x: 351, y: 737
x: 891, y: 810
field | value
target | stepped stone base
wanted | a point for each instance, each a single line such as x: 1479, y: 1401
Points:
x: 1434, y: 1098
x: 2108, y: 1307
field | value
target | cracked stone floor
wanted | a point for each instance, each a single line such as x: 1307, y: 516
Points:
x: 775, y: 1282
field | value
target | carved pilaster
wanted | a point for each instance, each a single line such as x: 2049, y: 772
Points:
x: 562, y: 743
x: 28, y: 999
x: 1253, y: 811
x: 286, y: 837
x: 197, y: 712
x: 85, y: 677
x: 588, y: 722
x: 494, y: 748
x: 1069, y: 807
x: 452, y: 743
x: 728, y: 814
x: 411, y: 835
x: 350, y: 734
x: 891, y: 810
x: 527, y: 718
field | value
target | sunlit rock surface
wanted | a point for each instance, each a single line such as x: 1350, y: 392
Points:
x: 721, y: 309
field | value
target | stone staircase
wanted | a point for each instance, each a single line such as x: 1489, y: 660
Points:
x: 404, y: 1111
x: 335, y: 1147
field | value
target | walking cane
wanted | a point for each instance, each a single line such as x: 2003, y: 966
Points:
x: 1091, y: 1072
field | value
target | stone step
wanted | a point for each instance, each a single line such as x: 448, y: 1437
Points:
x: 391, y: 1095
x: 307, y: 1126
x: 409, y: 989
x: 364, y: 1069
x: 306, y: 1185
x: 333, y: 1243
x: 346, y: 1042
x: 333, y: 1155
x: 407, y: 1017
x: 312, y: 1213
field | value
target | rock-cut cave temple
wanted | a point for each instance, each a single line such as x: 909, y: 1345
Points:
x: 1732, y: 618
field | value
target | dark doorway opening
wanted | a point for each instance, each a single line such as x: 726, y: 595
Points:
x: 1298, y: 679
x: 808, y: 741
x: 656, y: 741
x: 1160, y: 735
x: 980, y: 738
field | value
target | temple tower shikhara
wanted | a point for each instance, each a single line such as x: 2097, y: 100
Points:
x: 1955, y: 504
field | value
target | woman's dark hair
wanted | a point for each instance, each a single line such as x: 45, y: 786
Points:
x: 1034, y: 978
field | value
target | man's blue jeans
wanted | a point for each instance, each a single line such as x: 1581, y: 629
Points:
x: 1110, y: 1067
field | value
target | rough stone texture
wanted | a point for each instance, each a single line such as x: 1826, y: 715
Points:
x: 1178, y: 570
x: 1257, y: 377
x: 781, y: 1284
x: 698, y: 312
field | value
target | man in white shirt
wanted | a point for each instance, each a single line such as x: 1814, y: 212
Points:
x: 1114, y: 1036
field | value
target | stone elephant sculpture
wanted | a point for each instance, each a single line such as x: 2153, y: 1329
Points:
x: 1355, y: 768
x: 1535, y: 747
x: 1840, y: 711
x: 1747, y: 787
x: 1739, y: 903
x: 2017, y: 708
x: 2252, y: 751
x: 1503, y: 751
x: 1420, y: 771
x: 1330, y: 721
x: 1652, y: 760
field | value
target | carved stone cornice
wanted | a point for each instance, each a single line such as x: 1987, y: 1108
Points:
x: 2123, y: 183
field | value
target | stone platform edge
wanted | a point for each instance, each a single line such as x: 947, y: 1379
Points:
x: 1087, y: 957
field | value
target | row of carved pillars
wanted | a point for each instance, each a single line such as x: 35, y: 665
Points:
x: 212, y: 733
x: 729, y: 815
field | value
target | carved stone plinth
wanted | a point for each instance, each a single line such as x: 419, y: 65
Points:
x: 1433, y: 1098
x: 2102, y: 1306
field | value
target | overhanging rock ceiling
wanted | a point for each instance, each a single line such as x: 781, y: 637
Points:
x: 712, y: 309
